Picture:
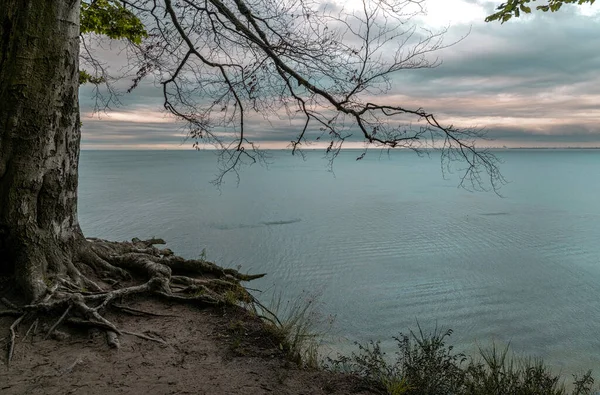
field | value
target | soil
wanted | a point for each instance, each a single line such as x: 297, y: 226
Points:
x: 215, y: 350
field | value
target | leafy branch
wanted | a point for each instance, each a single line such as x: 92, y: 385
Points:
x: 506, y: 11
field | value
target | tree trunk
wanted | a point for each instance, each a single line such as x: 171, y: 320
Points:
x: 39, y: 141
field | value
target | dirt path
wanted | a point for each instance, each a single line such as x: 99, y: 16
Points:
x: 208, y: 351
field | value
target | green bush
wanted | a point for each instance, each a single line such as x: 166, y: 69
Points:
x: 426, y: 365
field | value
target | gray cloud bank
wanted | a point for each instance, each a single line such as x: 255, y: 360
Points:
x: 531, y: 82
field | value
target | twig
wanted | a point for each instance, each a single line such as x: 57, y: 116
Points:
x: 34, y: 327
x: 11, y: 343
x: 201, y: 299
x: 107, y: 322
x: 8, y: 303
x: 142, y: 336
x: 93, y: 324
x: 98, y: 318
x: 57, y: 323
x: 133, y: 310
x: 69, y: 368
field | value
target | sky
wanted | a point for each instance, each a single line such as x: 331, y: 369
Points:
x: 530, y: 82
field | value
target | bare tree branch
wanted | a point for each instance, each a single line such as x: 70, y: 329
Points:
x: 228, y: 66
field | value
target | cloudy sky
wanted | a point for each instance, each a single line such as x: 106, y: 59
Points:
x: 531, y: 82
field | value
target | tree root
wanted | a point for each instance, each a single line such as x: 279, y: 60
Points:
x: 8, y: 303
x: 33, y: 328
x: 56, y: 324
x: 13, y: 335
x: 77, y: 299
x: 134, y: 311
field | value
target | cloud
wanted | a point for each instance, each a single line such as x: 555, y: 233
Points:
x: 533, y: 81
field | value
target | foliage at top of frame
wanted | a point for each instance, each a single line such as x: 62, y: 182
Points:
x: 506, y: 11
x: 111, y: 19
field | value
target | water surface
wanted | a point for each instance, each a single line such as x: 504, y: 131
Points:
x: 385, y: 241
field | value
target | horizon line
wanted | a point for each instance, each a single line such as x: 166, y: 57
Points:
x: 343, y: 149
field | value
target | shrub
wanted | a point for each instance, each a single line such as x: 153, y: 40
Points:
x: 426, y: 365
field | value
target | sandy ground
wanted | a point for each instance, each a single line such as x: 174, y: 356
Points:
x: 207, y: 351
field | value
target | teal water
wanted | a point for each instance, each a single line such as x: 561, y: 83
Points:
x: 385, y: 241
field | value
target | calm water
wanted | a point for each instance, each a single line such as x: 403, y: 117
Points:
x: 385, y: 241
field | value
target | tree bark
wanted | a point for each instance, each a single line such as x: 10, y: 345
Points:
x: 39, y: 141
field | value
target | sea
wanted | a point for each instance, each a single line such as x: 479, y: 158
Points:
x: 382, y: 245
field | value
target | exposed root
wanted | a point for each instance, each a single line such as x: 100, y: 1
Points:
x: 91, y: 313
x: 100, y: 265
x: 50, y: 292
x: 8, y: 303
x: 32, y: 329
x: 56, y: 324
x: 134, y: 311
x: 88, y: 323
x: 11, y: 341
x: 79, y: 300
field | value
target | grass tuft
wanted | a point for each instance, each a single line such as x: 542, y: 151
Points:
x: 425, y: 365
x: 295, y: 324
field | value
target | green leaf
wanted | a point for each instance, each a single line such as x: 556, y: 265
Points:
x: 85, y: 77
x: 525, y: 9
x: 109, y: 18
x: 507, y: 10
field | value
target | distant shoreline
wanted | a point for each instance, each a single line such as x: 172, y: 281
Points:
x: 352, y: 149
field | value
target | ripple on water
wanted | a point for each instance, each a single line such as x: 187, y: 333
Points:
x: 388, y: 242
